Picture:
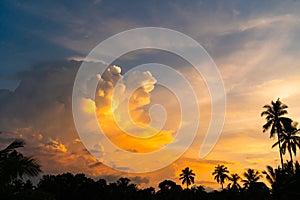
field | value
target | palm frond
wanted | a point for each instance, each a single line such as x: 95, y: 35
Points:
x: 12, y: 146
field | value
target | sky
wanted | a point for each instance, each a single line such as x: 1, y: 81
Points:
x: 254, y: 44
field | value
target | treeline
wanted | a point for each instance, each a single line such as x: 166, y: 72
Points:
x: 285, y: 184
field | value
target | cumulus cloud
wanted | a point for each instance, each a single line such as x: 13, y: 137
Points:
x: 122, y: 105
x: 39, y: 111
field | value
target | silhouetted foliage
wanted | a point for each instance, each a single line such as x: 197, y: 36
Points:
x: 251, y: 178
x: 275, y: 121
x: 13, y: 167
x: 187, y: 176
x: 234, y: 185
x: 285, y: 182
x: 289, y: 140
x: 168, y: 190
x: 284, y: 185
x: 221, y: 174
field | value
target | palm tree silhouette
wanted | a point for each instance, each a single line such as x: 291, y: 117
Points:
x: 289, y: 141
x: 271, y: 174
x: 234, y: 185
x: 252, y: 177
x: 14, y: 165
x: 275, y: 120
x: 276, y: 178
x: 187, y: 176
x: 220, y: 174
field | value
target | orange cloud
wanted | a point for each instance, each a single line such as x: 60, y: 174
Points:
x: 56, y: 145
x: 110, y: 111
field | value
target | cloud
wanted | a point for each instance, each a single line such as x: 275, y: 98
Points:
x: 81, y: 59
x: 39, y: 111
x: 139, y: 180
x: 97, y: 164
x: 77, y: 140
x: 56, y: 145
x: 122, y: 103
x: 264, y: 22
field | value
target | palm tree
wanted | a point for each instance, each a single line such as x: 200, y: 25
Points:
x: 275, y: 120
x: 220, y: 174
x: 271, y: 174
x: 234, y: 185
x: 187, y: 176
x: 252, y: 177
x: 289, y: 141
x: 276, y: 178
x: 14, y: 165
x: 14, y: 145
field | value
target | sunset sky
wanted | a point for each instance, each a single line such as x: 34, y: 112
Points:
x: 255, y: 45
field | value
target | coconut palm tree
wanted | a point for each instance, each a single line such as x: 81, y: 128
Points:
x: 275, y: 121
x: 271, y: 174
x: 252, y: 177
x: 220, y: 173
x: 14, y: 165
x: 187, y: 176
x: 234, y: 185
x: 289, y: 141
x: 276, y: 178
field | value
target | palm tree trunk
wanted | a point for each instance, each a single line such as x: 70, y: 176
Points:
x: 279, y: 146
x: 291, y: 156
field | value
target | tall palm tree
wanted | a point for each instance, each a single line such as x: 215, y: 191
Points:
x: 187, y: 176
x: 221, y: 173
x: 275, y: 120
x: 234, y: 185
x: 289, y: 141
x: 252, y: 177
x: 14, y: 165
